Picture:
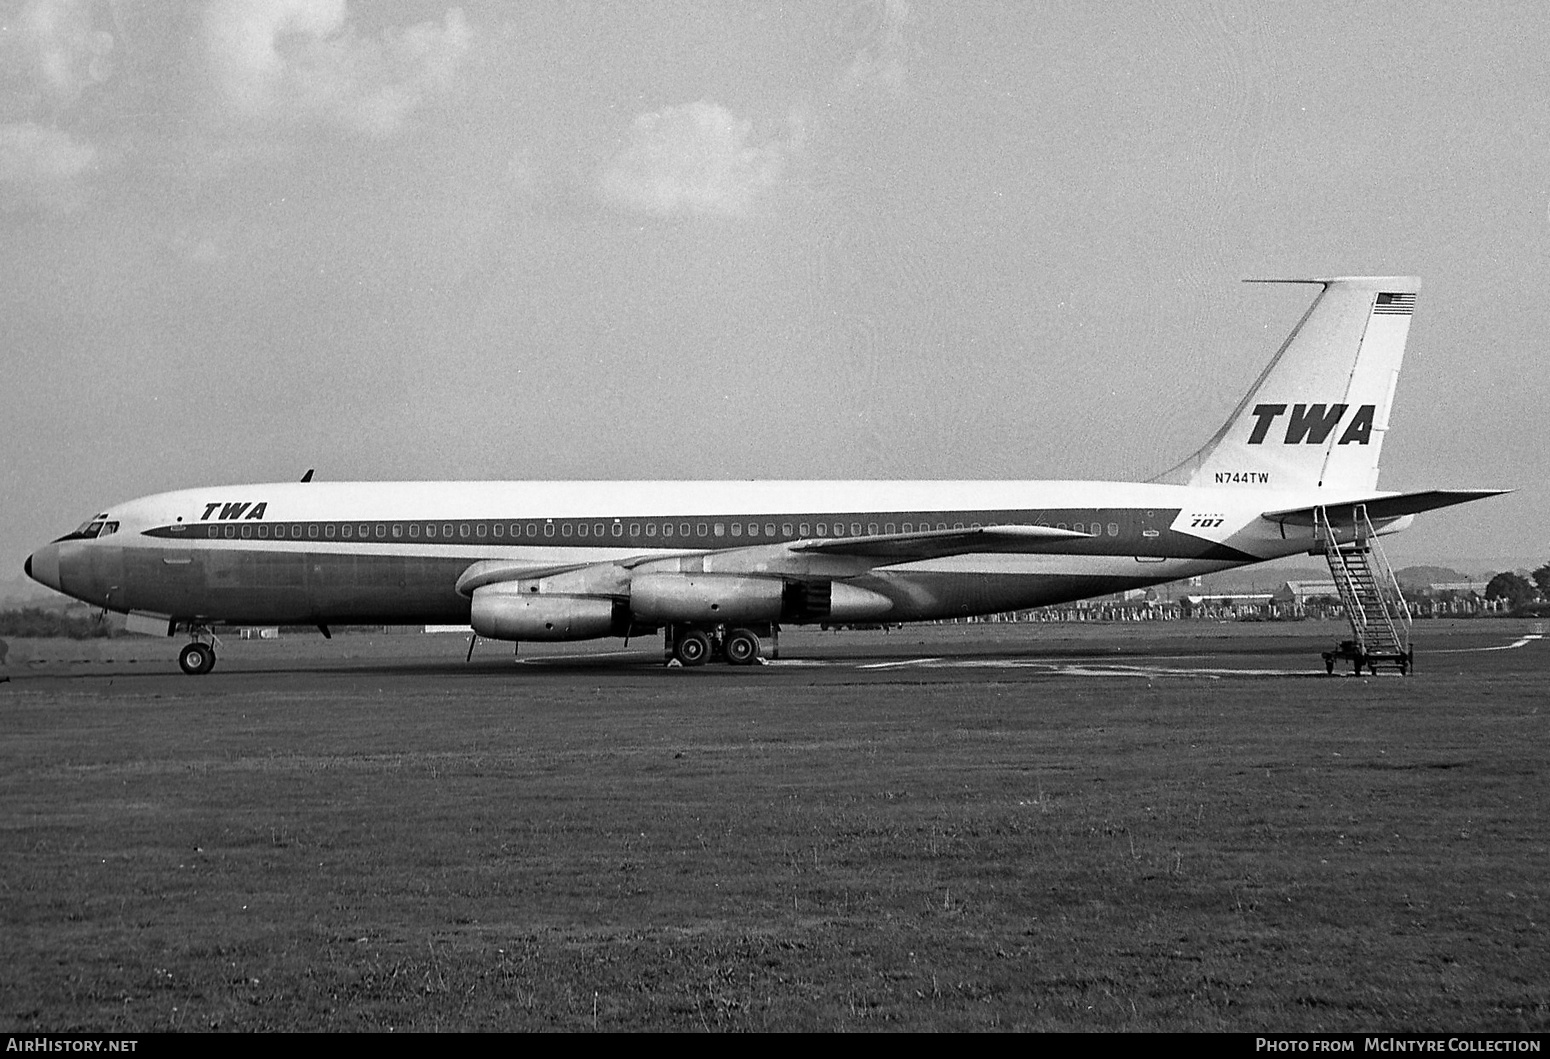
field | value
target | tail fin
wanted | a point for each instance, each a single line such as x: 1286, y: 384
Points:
x: 1316, y: 416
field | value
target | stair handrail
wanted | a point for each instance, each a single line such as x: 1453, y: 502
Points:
x: 1387, y: 587
x: 1340, y: 568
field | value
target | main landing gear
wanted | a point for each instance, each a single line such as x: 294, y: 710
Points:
x: 198, y: 658
x: 690, y: 645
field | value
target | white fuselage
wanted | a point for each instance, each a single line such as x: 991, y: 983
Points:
x: 393, y: 551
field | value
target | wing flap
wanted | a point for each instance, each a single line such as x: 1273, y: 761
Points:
x: 934, y: 544
x: 1383, y: 507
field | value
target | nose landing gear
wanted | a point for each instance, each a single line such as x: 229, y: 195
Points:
x: 198, y: 658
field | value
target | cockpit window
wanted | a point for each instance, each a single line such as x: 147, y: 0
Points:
x: 96, y: 526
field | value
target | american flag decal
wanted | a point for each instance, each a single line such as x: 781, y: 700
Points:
x: 1394, y: 304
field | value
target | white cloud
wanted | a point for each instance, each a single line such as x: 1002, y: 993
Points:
x: 51, y: 52
x: 695, y: 159
x: 44, y: 167
x: 881, y: 64
x: 302, y: 60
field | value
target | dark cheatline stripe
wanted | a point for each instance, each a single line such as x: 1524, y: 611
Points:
x: 1116, y: 531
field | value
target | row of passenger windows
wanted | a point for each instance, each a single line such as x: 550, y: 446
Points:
x: 579, y: 530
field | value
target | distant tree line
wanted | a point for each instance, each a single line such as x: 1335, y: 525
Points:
x: 38, y: 623
x: 1520, y: 591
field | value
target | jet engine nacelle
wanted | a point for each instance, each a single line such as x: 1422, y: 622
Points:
x: 705, y: 597
x: 679, y: 597
x: 504, y: 612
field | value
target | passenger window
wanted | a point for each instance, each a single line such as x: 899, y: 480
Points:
x: 381, y: 531
x: 619, y: 529
x: 872, y: 528
x: 719, y: 529
x: 1114, y: 529
x: 802, y: 530
x: 565, y: 529
x: 769, y: 529
x: 446, y: 529
x: 651, y: 529
x: 581, y: 530
x: 479, y: 529
x: 700, y: 528
x: 785, y: 529
x: 548, y: 529
x: 683, y: 529
x: 823, y: 529
x: 344, y: 531
x: 737, y: 529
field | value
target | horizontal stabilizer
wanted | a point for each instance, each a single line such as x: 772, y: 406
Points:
x: 934, y: 544
x: 1383, y: 507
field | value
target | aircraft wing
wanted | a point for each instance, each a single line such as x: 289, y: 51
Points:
x: 491, y: 571
x: 864, y: 551
x: 1383, y: 507
x: 934, y: 544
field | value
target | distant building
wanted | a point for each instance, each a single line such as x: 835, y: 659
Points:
x: 1300, y: 593
x: 1460, y: 588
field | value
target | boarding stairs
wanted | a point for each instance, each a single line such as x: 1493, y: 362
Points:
x: 1374, y: 604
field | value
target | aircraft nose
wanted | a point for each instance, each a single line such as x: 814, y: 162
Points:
x: 43, y: 566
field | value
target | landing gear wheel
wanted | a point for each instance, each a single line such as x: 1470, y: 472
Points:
x: 741, y: 647
x: 196, y: 659
x: 692, y: 648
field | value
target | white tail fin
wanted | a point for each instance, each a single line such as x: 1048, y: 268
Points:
x: 1317, y: 415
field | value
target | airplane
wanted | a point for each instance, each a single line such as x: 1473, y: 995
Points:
x: 718, y: 566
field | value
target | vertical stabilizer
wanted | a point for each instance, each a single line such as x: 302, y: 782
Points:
x: 1317, y: 415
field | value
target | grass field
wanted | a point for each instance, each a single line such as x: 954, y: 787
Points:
x: 370, y: 834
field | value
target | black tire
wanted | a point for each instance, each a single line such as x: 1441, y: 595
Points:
x: 196, y: 659
x: 692, y: 648
x: 741, y: 647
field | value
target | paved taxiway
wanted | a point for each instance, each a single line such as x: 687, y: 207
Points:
x: 967, y: 654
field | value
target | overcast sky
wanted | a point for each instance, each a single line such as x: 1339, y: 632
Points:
x: 717, y: 240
